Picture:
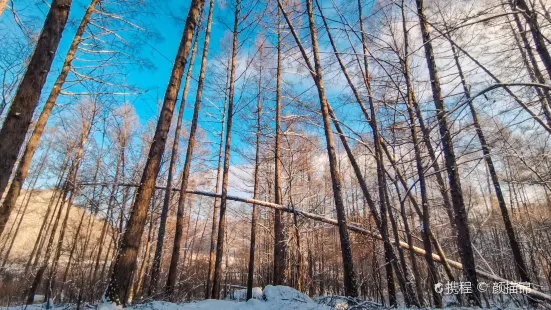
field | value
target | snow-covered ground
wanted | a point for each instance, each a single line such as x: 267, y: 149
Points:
x: 271, y: 298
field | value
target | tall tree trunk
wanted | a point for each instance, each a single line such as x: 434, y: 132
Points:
x: 19, y: 117
x: 382, y: 227
x: 156, y: 267
x: 250, y: 276
x: 225, y: 173
x: 173, y: 269
x: 461, y: 219
x: 513, y: 243
x: 280, y: 245
x: 426, y: 232
x: 214, y: 226
x: 349, y: 276
x: 139, y: 283
x: 125, y: 263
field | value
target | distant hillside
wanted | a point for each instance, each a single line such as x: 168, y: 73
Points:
x: 30, y: 227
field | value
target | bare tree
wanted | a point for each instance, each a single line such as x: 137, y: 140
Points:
x: 217, y: 278
x: 125, y: 263
x: 25, y: 162
x: 173, y: 269
x: 18, y: 119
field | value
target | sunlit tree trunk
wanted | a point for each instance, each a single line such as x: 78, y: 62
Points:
x: 125, y: 263
x: 156, y: 267
x: 18, y: 119
x: 250, y: 276
x: 225, y: 173
x: 173, y: 269
x: 280, y: 245
x: 214, y: 227
x: 350, y: 281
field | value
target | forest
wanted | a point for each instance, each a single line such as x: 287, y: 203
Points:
x: 383, y: 153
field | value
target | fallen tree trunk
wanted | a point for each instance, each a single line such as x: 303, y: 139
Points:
x: 357, y: 229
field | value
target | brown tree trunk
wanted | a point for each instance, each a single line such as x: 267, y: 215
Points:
x: 250, y: 276
x: 349, y: 276
x: 426, y: 231
x: 513, y: 243
x: 125, y: 263
x: 156, y: 267
x: 461, y: 219
x: 280, y: 245
x: 139, y: 283
x: 18, y: 120
x: 173, y: 269
x: 214, y: 228
x: 225, y: 173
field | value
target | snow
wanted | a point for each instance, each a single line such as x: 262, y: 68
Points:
x: 241, y: 295
x: 272, y: 298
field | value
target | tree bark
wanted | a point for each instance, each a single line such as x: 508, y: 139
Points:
x: 214, y: 227
x: 280, y: 245
x: 426, y: 231
x: 19, y: 117
x: 513, y: 243
x: 225, y: 173
x: 156, y: 266
x: 125, y: 263
x: 250, y: 276
x: 173, y: 269
x: 461, y: 218
x: 349, y: 276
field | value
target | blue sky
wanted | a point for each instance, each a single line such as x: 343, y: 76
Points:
x: 166, y: 21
